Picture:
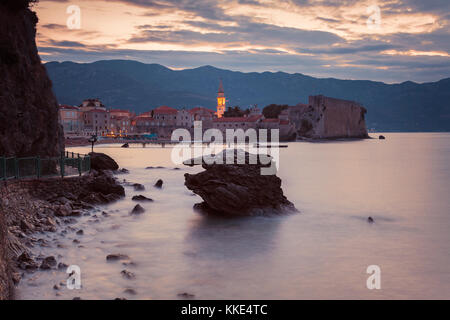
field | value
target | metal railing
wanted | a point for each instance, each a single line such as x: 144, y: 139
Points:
x: 67, y: 164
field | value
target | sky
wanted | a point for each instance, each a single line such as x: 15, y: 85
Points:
x: 390, y: 41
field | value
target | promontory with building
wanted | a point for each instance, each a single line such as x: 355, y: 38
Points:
x: 321, y: 118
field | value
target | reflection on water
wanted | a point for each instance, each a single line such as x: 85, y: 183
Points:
x: 322, y: 252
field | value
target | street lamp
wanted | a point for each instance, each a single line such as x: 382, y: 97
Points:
x: 93, y: 139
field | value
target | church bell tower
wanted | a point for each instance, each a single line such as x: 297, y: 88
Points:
x: 220, y: 101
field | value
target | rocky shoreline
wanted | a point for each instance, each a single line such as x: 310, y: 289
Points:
x: 33, y: 207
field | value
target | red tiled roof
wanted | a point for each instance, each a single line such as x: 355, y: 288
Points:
x: 165, y: 110
x: 143, y: 117
x: 119, y: 111
x: 238, y: 119
x: 199, y: 109
x: 64, y: 106
x: 97, y: 110
x: 120, y: 117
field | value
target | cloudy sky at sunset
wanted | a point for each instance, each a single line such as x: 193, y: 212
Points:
x: 322, y: 38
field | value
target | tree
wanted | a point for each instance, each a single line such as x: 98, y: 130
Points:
x: 235, y: 112
x: 273, y: 110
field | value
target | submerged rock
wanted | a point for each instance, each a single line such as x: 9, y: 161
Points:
x: 141, y: 198
x: 381, y: 137
x: 116, y: 257
x: 127, y: 274
x: 138, y: 187
x: 159, y: 184
x: 137, y: 209
x: 130, y: 291
x: 238, y: 189
x: 48, y: 263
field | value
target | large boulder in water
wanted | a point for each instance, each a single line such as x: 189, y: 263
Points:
x: 101, y: 161
x: 238, y: 189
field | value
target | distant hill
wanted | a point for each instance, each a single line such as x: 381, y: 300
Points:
x: 129, y: 84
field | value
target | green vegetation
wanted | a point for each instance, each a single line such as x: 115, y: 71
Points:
x: 235, y: 112
x: 273, y: 110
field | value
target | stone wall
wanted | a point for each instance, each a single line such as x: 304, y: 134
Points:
x: 28, y: 107
x: 329, y: 118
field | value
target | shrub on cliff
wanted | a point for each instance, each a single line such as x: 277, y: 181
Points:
x: 273, y: 110
x: 16, y: 5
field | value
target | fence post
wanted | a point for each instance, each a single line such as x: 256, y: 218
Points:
x: 79, y: 165
x: 16, y: 168
x: 61, y: 164
x: 38, y: 167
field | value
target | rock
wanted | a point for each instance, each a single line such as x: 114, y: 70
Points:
x: 104, y: 185
x: 117, y: 257
x: 26, y: 226
x: 25, y: 262
x: 123, y: 171
x: 141, y: 198
x: 381, y: 137
x: 76, y: 213
x: 120, y: 298
x: 62, y: 265
x: 186, y: 295
x: 50, y: 222
x: 63, y: 210
x: 101, y: 162
x: 238, y: 189
x: 159, y: 183
x: 138, y: 187
x: 76, y: 241
x: 76, y: 298
x: 130, y: 291
x: 16, y: 277
x: 125, y: 145
x: 56, y: 287
x: 80, y: 232
x: 127, y: 274
x: 370, y: 220
x: 137, y: 209
x: 48, y: 263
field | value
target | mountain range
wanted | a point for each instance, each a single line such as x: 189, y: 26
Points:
x: 128, y: 84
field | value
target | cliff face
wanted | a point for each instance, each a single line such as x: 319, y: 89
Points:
x: 5, y: 270
x: 28, y: 107
x: 329, y: 118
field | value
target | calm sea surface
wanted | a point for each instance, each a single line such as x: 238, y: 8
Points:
x: 323, y: 252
